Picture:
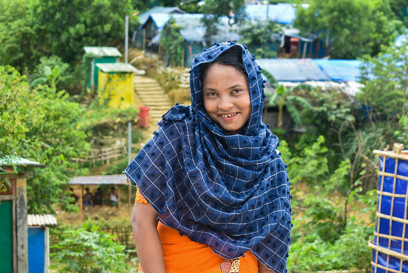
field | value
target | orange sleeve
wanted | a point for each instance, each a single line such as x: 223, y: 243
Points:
x: 140, y: 199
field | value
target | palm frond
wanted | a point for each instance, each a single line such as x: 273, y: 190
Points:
x: 273, y: 98
x: 294, y: 113
x: 299, y: 101
x: 300, y: 87
x: 271, y: 79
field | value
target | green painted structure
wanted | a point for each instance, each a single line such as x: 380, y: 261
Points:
x: 13, y: 213
x: 100, y: 55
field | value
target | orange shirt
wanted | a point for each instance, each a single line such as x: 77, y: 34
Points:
x: 181, y: 255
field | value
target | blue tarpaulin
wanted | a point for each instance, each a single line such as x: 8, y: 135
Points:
x: 293, y: 70
x: 283, y: 13
x: 390, y: 245
x: 36, y: 250
x: 340, y: 70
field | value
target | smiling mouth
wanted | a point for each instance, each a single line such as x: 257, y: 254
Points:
x: 229, y: 115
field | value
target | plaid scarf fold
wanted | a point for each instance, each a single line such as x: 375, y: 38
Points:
x: 230, y: 192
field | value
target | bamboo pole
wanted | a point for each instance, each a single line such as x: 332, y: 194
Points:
x: 81, y: 205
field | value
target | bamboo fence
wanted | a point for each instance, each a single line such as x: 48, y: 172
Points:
x: 390, y: 253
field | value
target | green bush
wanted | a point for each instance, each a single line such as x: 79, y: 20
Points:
x: 81, y: 250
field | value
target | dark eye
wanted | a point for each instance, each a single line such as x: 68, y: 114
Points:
x: 236, y: 91
x: 210, y: 94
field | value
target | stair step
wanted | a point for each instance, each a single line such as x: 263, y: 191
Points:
x: 152, y: 94
x: 155, y: 100
x: 150, y: 86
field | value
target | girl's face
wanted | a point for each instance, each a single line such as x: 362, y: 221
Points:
x: 226, y: 97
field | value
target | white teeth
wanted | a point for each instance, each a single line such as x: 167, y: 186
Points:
x: 228, y: 116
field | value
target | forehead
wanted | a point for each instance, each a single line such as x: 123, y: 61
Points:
x: 220, y: 74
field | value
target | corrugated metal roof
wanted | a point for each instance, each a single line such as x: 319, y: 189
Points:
x: 18, y: 161
x: 293, y: 70
x: 283, y: 13
x: 41, y: 220
x: 102, y: 51
x: 117, y: 67
x: 193, y: 28
x: 116, y: 179
x: 145, y: 15
x: 160, y: 19
x: 341, y: 70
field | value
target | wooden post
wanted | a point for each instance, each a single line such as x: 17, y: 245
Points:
x: 304, y: 50
x: 130, y: 155
x: 144, y: 40
x: 118, y: 197
x: 81, y: 205
x: 22, y: 234
x: 47, y: 250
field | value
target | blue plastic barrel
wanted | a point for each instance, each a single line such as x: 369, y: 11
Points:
x: 390, y: 244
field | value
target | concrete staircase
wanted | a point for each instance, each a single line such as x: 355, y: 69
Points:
x: 151, y: 94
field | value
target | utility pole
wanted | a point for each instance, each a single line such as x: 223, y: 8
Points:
x: 126, y: 37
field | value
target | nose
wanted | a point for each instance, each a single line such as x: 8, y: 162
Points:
x: 225, y: 103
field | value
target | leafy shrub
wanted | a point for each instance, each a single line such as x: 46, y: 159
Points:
x: 116, y: 168
x: 311, y: 165
x: 51, y: 71
x: 320, y: 243
x: 81, y: 250
x: 325, y: 219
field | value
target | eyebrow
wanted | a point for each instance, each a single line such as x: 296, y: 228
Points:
x: 232, y: 87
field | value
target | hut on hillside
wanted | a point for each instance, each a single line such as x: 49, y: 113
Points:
x: 141, y: 34
x: 115, y: 84
x: 99, y: 55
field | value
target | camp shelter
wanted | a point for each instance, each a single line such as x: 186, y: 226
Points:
x: 38, y: 242
x: 293, y: 70
x: 152, y: 29
x: 115, y: 84
x: 100, y: 55
x: 13, y: 213
x: 295, y: 45
x: 193, y: 32
x: 99, y: 180
x: 139, y: 35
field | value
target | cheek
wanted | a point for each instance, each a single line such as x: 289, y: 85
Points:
x: 208, y: 105
x: 246, y: 104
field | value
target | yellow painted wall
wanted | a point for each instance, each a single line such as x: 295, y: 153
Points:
x: 117, y: 88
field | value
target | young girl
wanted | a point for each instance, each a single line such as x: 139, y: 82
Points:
x: 213, y: 193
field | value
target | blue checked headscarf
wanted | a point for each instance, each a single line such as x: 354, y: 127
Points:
x: 230, y: 192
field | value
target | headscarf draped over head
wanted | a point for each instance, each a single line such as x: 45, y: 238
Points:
x: 229, y: 191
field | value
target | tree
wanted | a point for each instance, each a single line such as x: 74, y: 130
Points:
x: 213, y: 10
x: 350, y: 28
x: 67, y: 26
x: 257, y: 36
x: 17, y: 39
x: 189, y: 6
x: 384, y: 96
x: 45, y: 126
x: 400, y: 8
x: 173, y: 42
x: 284, y: 97
x: 52, y: 72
